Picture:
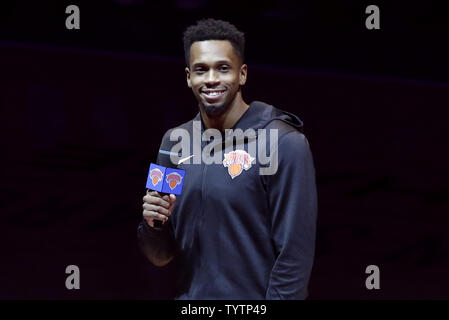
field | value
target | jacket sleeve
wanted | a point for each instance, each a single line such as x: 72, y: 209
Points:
x: 293, y: 203
x: 157, y: 243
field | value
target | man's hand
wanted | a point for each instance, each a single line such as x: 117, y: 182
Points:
x: 156, y: 207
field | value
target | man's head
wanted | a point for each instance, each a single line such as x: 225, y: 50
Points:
x: 214, y: 53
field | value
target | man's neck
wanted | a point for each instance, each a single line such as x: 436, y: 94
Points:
x: 227, y: 119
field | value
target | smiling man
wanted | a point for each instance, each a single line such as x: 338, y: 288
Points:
x: 216, y: 74
x: 235, y: 231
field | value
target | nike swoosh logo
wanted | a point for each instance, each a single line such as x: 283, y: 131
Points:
x: 184, y: 159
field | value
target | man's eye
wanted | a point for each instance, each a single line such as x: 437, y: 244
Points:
x: 199, y: 70
x: 223, y: 68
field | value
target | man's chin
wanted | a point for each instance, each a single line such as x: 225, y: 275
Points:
x: 214, y: 110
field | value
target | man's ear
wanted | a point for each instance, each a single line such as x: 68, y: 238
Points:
x: 189, y: 83
x: 243, y: 74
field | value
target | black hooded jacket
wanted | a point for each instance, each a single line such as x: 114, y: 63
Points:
x: 247, y: 236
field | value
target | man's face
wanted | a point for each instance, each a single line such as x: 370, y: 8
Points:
x: 215, y: 74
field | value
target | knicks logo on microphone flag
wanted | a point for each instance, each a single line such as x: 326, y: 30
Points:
x: 155, y: 179
x: 156, y: 176
x: 173, y: 181
x: 164, y: 179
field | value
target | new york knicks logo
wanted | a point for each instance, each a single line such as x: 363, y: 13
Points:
x: 156, y: 176
x: 236, y: 161
x: 173, y: 179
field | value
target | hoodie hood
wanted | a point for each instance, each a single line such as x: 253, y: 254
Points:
x: 260, y: 114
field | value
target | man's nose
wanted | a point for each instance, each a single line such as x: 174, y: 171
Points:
x: 212, y: 77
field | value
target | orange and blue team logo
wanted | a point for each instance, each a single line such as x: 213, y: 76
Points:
x: 173, y: 179
x: 164, y: 179
x: 236, y: 161
x: 156, y: 176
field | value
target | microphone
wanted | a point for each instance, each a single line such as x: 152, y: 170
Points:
x: 165, y: 178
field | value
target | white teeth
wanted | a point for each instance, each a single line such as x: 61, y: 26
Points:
x: 214, y: 93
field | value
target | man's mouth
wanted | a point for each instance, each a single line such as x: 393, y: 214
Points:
x: 212, y: 95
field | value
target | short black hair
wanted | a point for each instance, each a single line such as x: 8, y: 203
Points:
x: 212, y: 29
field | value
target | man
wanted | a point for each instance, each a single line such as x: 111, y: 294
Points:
x: 237, y: 231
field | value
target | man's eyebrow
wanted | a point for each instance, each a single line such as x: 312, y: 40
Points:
x: 223, y: 62
x: 200, y: 64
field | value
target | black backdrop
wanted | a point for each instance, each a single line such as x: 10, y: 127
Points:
x: 83, y: 111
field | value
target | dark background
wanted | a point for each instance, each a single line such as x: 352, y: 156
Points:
x: 83, y: 111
